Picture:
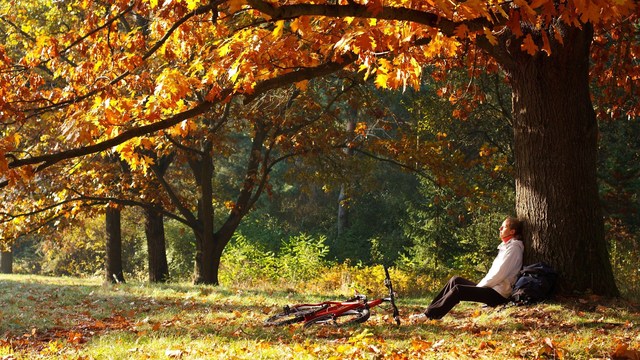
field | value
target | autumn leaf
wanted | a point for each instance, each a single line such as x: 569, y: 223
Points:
x: 302, y: 85
x: 622, y: 352
x: 278, y: 29
x: 236, y: 5
x: 462, y: 31
x: 381, y: 80
x: 174, y: 353
x: 538, y: 3
x: 375, y: 7
x: 529, y: 45
x: 489, y: 35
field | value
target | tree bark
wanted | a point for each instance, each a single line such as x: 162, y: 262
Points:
x: 210, y: 243
x: 156, y: 246
x: 203, y: 170
x: 555, y: 141
x: 113, y: 261
x: 6, y: 262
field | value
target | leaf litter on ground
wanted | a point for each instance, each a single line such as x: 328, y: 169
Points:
x: 62, y: 318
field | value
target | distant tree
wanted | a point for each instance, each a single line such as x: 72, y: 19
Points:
x: 6, y: 262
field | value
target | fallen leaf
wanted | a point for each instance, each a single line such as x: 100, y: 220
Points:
x: 622, y: 352
x: 174, y: 353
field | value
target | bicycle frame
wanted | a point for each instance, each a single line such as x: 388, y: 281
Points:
x: 331, y: 311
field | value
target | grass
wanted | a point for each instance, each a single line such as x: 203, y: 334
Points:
x: 72, y: 318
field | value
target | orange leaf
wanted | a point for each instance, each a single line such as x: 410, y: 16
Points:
x: 375, y: 7
x: 622, y: 352
x: 538, y: 3
x: 558, y: 36
x: 492, y: 39
x: 302, y: 85
x: 461, y: 31
x: 420, y: 345
x: 529, y: 45
x: 514, y: 24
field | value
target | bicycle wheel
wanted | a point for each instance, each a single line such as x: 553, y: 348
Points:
x: 354, y: 316
x: 292, y: 315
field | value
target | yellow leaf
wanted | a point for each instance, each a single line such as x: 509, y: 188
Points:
x: 381, y: 80
x: 192, y: 4
x: 233, y: 73
x: 16, y: 139
x: 278, y: 30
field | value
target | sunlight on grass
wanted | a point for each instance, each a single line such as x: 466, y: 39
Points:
x: 69, y: 318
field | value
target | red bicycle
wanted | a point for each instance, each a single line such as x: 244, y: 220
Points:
x: 354, y: 310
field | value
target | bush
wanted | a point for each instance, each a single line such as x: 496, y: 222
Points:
x: 244, y: 262
x: 300, y: 258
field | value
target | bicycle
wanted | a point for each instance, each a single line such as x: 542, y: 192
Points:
x: 354, y: 310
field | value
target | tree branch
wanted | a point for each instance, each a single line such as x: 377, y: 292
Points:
x: 353, y: 9
x: 47, y: 160
x: 190, y: 219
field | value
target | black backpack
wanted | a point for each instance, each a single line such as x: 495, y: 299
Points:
x: 535, y: 283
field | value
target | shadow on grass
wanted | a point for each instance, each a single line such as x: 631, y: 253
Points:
x: 76, y: 311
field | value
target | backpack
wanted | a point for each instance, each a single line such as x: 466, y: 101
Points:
x: 535, y: 283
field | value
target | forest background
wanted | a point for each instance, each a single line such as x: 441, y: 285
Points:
x: 301, y: 174
x: 348, y: 209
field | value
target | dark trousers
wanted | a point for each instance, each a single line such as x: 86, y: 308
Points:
x: 460, y: 289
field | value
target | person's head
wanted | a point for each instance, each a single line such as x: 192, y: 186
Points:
x: 511, y: 228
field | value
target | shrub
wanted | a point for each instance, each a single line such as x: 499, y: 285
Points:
x: 300, y: 258
x: 244, y: 262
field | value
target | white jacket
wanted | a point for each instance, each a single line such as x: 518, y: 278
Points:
x: 505, y: 268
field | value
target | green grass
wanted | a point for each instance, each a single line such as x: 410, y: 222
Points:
x: 71, y: 318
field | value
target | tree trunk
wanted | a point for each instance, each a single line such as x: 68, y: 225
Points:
x: 343, y: 198
x: 6, y: 262
x: 209, y: 243
x: 555, y: 141
x: 113, y: 261
x: 204, y: 271
x: 156, y: 246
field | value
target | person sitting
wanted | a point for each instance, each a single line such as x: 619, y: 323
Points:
x: 495, y: 288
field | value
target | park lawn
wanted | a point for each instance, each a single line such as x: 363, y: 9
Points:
x: 72, y: 318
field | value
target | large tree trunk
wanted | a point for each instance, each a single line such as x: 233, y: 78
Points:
x: 156, y: 246
x: 113, y: 260
x: 6, y: 262
x: 555, y: 144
